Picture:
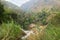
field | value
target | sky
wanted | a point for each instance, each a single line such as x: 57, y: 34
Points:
x: 18, y: 2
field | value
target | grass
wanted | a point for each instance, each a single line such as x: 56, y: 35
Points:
x: 10, y: 31
x: 52, y: 33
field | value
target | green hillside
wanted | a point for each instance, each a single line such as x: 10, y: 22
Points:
x: 11, y: 23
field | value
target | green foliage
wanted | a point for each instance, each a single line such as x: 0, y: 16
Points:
x: 1, y: 12
x: 42, y: 17
x: 10, y: 31
x: 52, y: 32
x: 1, y: 8
x: 6, y: 16
x: 56, y: 20
x: 26, y: 19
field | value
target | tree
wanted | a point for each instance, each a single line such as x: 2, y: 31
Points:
x: 1, y: 12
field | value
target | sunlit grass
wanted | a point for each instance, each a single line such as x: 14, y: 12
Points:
x: 10, y: 31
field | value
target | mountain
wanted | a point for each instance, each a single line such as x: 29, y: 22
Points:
x: 11, y: 6
x: 33, y: 5
x: 37, y: 5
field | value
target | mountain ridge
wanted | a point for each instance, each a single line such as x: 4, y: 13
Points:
x: 12, y: 6
x: 37, y: 5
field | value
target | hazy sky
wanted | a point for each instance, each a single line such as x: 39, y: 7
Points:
x: 18, y: 2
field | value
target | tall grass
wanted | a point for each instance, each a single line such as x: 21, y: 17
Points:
x: 10, y: 31
x: 52, y: 32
